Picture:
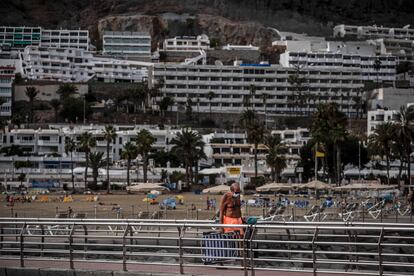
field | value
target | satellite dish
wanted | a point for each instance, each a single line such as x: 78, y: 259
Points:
x: 218, y: 63
x: 406, y: 26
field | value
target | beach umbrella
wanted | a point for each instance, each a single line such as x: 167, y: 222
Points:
x: 274, y: 187
x: 146, y: 187
x: 220, y: 189
x: 315, y: 185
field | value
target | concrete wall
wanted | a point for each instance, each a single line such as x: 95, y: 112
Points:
x: 47, y: 91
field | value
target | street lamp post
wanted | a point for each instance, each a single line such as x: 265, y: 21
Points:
x: 84, y: 109
x: 138, y: 160
x: 359, y: 160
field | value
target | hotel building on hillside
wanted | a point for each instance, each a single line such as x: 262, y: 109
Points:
x: 396, y: 41
x: 187, y: 43
x: 49, y: 143
x: 77, y: 65
x: 7, y: 75
x: 232, y: 84
x: 339, y: 55
x: 127, y: 43
x: 20, y: 37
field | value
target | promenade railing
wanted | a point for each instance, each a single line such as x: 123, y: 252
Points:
x: 318, y: 247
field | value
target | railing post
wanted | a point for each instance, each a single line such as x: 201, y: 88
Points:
x: 315, y: 237
x: 180, y: 248
x: 1, y: 236
x: 42, y: 239
x: 124, y: 256
x: 380, y: 260
x: 71, y: 247
x: 251, y: 250
x: 22, y: 245
x: 85, y: 247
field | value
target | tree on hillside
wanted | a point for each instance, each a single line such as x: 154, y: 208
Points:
x: 85, y: 144
x: 165, y: 103
x: 55, y: 104
x: 405, y: 131
x: 31, y: 92
x: 129, y: 152
x: 380, y: 143
x: 144, y: 142
x: 188, y: 146
x: 66, y: 90
x: 274, y: 159
x: 70, y: 147
x: 97, y: 161
x: 255, y: 132
x: 109, y: 136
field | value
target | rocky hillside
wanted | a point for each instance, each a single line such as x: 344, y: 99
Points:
x: 228, y: 21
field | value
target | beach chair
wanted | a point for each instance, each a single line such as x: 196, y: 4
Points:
x: 220, y: 247
x: 316, y: 213
x: 376, y: 210
x: 403, y: 209
x: 276, y: 214
x: 350, y: 212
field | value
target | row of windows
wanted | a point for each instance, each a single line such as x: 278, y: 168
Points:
x: 127, y: 40
x: 247, y: 88
x: 332, y: 96
x: 270, y: 106
x: 127, y: 48
x: 339, y: 56
x: 254, y: 71
x: 19, y: 30
x: 268, y: 80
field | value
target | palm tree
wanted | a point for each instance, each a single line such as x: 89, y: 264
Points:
x: 31, y: 93
x: 144, y: 142
x: 252, y: 90
x: 380, y: 142
x: 96, y: 160
x: 264, y: 99
x: 210, y: 97
x: 274, y: 159
x: 165, y: 103
x: 255, y: 132
x: 66, y: 90
x: 55, y: 104
x: 377, y: 68
x: 129, y: 152
x: 188, y: 146
x: 70, y: 147
x: 329, y: 129
x: 86, y: 142
x: 405, y: 130
x: 109, y: 136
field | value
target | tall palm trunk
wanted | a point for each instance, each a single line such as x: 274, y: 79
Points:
x: 31, y: 111
x: 71, y: 170
x: 128, y: 169
x: 145, y: 166
x: 387, y: 156
x: 108, y: 189
x: 86, y: 169
x: 338, y: 163
x: 409, y: 169
x: 400, y: 169
x: 255, y: 160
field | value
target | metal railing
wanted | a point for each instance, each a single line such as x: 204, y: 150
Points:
x: 325, y: 247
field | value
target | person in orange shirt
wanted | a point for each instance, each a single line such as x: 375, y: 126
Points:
x: 230, y: 209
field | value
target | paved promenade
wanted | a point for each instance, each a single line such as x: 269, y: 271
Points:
x: 145, y: 269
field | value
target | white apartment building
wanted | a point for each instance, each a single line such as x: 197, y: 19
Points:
x: 73, y: 39
x: 227, y: 149
x: 19, y: 37
x: 339, y: 55
x: 396, y: 41
x: 232, y: 84
x: 77, y: 65
x: 380, y: 116
x: 50, y: 143
x: 187, y: 43
x: 230, y: 47
x: 7, y: 74
x: 373, y: 32
x: 293, y: 140
x: 22, y: 36
x: 126, y: 43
